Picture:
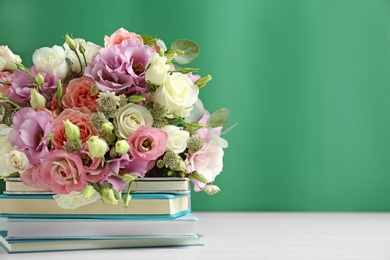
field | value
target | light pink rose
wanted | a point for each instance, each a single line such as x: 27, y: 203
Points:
x: 207, y: 162
x: 31, y: 176
x: 120, y: 35
x: 147, y: 143
x: 63, y: 172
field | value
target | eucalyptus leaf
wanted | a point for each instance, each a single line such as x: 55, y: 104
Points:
x: 219, y: 140
x: 219, y: 117
x: 229, y: 129
x: 196, y: 113
x: 189, y: 48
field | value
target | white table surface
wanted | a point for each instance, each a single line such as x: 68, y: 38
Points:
x: 255, y: 235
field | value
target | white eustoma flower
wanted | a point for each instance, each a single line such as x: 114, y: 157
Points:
x: 5, y: 148
x: 17, y: 161
x: 90, y: 50
x: 178, y: 94
x: 177, y: 138
x: 157, y: 69
x: 52, y: 60
x: 8, y: 58
x: 128, y: 118
x: 211, y: 189
x: 74, y: 199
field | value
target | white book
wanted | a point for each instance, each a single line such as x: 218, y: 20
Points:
x: 37, y: 245
x: 60, y: 228
x: 173, y: 185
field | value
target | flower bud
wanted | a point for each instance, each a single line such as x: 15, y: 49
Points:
x: 39, y: 79
x: 97, y: 147
x: 37, y: 101
x: 71, y: 43
x: 122, y: 147
x: 201, y: 83
x: 129, y: 177
x: 108, y: 195
x: 88, y: 192
x: 136, y: 98
x: 107, y: 126
x: 127, y: 200
x: 72, y: 131
x: 81, y: 49
x: 211, y: 189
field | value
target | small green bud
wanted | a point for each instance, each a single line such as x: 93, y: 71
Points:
x: 37, y: 101
x: 72, y: 131
x: 107, y: 126
x: 160, y: 163
x: 127, y: 177
x: 88, y: 191
x: 108, y: 195
x: 81, y: 49
x: 71, y: 43
x: 122, y: 147
x: 97, y: 147
x: 136, y: 98
x: 171, y: 54
x: 39, y: 79
x: 211, y: 189
x: 201, y: 83
x: 127, y: 200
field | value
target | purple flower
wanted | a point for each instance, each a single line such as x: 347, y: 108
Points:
x: 29, y: 133
x: 21, y: 86
x: 120, y: 68
x: 122, y: 165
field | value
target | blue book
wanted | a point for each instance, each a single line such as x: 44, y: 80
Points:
x: 141, y: 206
x: 36, y: 245
x: 59, y: 228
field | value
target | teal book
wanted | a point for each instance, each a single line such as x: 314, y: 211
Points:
x: 93, y: 243
x: 59, y: 228
x: 140, y: 206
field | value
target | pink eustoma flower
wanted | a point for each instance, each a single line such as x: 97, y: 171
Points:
x: 30, y: 131
x: 63, y: 172
x: 147, y: 143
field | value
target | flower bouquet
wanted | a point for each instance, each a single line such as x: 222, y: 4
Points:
x: 84, y: 121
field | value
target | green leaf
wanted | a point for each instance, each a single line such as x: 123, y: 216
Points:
x: 148, y: 40
x: 229, y: 129
x: 219, y: 118
x: 189, y: 48
x: 219, y: 140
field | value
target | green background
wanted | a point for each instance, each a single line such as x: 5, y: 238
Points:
x: 307, y: 80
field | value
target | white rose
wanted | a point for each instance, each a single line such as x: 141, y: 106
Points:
x: 90, y: 50
x: 177, y: 138
x: 8, y: 58
x: 5, y: 148
x: 74, y: 200
x: 128, y: 118
x: 52, y: 60
x: 17, y: 161
x: 158, y: 69
x: 178, y: 94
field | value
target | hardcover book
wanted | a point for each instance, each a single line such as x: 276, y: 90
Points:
x: 41, y: 228
x: 173, y: 185
x: 152, y: 205
x: 36, y: 245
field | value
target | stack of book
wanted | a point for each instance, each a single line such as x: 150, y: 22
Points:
x: 159, y: 214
